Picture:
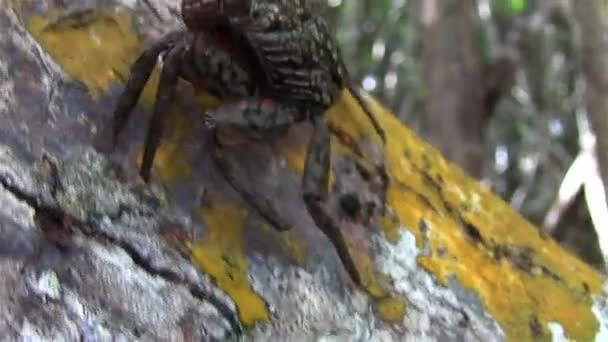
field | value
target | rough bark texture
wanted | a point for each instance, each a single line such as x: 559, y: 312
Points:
x: 87, y: 252
x: 591, y: 19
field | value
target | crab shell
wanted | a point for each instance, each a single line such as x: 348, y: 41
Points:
x: 201, y: 15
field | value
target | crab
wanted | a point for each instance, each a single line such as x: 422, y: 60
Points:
x: 238, y: 50
x: 291, y: 43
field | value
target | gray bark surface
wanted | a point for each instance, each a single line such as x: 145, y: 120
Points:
x: 83, y: 249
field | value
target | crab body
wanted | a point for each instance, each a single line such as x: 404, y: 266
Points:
x: 289, y: 42
x: 266, y: 15
x: 275, y: 64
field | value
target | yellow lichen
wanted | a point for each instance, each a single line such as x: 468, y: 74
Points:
x: 101, y: 51
x: 222, y: 254
x: 390, y: 223
x: 170, y: 161
x: 358, y: 127
x: 294, y: 148
x: 391, y: 309
x: 293, y: 151
x: 426, y: 191
x: 349, y: 116
x: 433, y: 190
x: 96, y: 53
x: 296, y: 248
x: 369, y: 277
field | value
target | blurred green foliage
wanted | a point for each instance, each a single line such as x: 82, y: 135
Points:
x: 513, y: 6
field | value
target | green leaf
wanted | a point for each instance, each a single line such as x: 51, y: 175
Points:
x: 517, y: 6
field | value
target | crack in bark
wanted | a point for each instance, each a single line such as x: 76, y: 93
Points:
x: 53, y: 212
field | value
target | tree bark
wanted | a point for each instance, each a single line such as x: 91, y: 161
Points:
x: 88, y: 252
x: 591, y: 22
x: 455, y: 111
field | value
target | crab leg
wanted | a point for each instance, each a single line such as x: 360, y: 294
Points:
x: 261, y: 119
x: 280, y: 51
x: 164, y: 98
x: 138, y: 76
x: 315, y: 183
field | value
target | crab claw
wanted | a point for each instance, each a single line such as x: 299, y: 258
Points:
x: 200, y: 15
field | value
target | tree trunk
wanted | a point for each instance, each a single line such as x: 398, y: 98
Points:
x: 455, y: 110
x: 88, y: 252
x: 591, y: 22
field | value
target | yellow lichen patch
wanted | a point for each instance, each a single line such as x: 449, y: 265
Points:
x: 294, y: 152
x: 222, y: 254
x: 391, y: 229
x: 391, y: 309
x: 467, y: 226
x: 296, y: 248
x: 367, y: 271
x: 99, y: 51
x: 95, y: 52
x: 98, y: 48
x: 205, y: 101
x: 170, y: 161
x: 349, y: 116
